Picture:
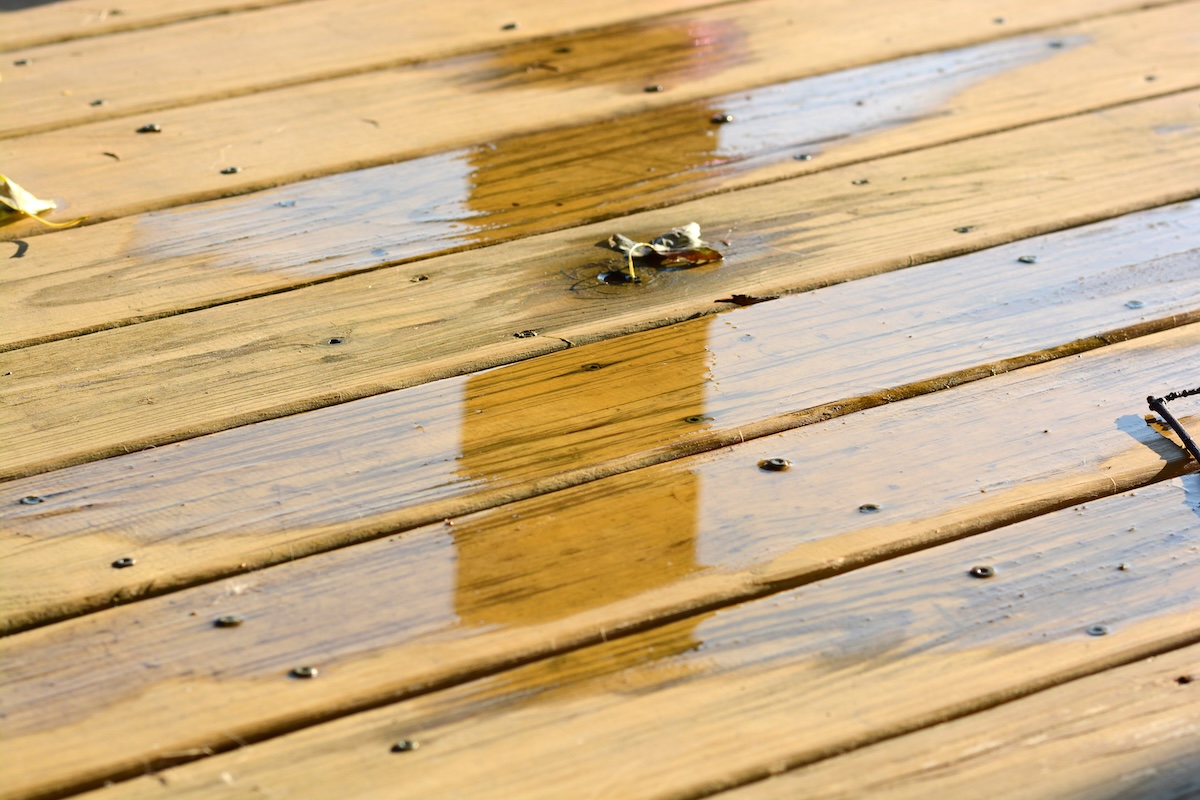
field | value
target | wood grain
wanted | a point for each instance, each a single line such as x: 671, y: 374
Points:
x: 400, y: 616
x: 143, y: 71
x: 127, y: 388
x: 288, y: 487
x: 30, y: 24
x: 140, y: 267
x: 1127, y: 732
x: 340, y: 125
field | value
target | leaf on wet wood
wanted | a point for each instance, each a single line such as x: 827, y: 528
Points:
x: 678, y: 247
x: 19, y: 201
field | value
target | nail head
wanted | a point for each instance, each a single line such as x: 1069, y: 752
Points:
x: 1097, y: 630
x: 405, y: 746
x: 228, y: 621
x: 123, y: 563
x: 982, y: 571
x: 304, y: 672
x: 774, y: 464
x: 150, y: 127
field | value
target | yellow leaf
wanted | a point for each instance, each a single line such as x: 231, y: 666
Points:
x: 20, y: 201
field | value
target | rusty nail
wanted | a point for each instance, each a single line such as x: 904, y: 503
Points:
x: 982, y: 571
x: 228, y: 621
x: 30, y: 500
x: 122, y: 563
x: 150, y: 127
x: 775, y: 464
x: 405, y: 746
x: 304, y: 672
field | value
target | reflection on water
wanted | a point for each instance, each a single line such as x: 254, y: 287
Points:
x: 555, y: 179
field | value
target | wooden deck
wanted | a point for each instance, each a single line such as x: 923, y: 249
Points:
x: 334, y: 466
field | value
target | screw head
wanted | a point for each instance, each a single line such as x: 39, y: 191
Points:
x: 30, y: 500
x: 122, y: 563
x: 1097, y: 630
x: 721, y: 119
x: 868, y: 508
x: 304, y: 672
x: 150, y: 127
x: 1027, y: 259
x: 231, y: 170
x: 529, y: 334
x: 405, y: 746
x: 982, y: 571
x: 228, y: 621
x: 774, y: 464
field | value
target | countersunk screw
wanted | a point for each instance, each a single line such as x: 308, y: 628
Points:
x: 30, y: 500
x: 303, y: 672
x: 1097, y: 630
x: 405, y: 746
x: 229, y: 621
x: 150, y: 127
x: 122, y: 563
x: 982, y: 571
x: 775, y: 464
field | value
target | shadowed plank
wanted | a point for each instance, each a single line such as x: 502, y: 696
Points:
x: 150, y: 265
x: 381, y: 117
x: 81, y: 399
x: 399, y: 616
x: 294, y: 43
x: 1127, y: 732
x: 26, y: 24
x: 348, y: 472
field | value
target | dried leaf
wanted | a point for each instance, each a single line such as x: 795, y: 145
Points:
x: 678, y: 247
x: 20, y: 201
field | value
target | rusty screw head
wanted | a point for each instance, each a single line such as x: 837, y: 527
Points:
x: 982, y: 571
x: 122, y: 563
x: 228, y: 621
x: 775, y: 464
x: 304, y: 672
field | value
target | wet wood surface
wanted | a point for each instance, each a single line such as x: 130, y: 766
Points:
x: 245, y: 362
x: 521, y: 581
x: 357, y: 471
x: 157, y: 264
x: 443, y: 449
x: 799, y: 675
x: 339, y: 125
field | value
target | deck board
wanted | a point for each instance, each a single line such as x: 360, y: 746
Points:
x: 161, y: 263
x: 767, y: 685
x: 394, y: 617
x: 569, y: 574
x: 245, y: 362
x: 439, y: 450
x: 355, y: 122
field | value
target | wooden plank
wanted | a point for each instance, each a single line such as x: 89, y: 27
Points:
x: 80, y: 399
x: 141, y: 267
x: 144, y: 71
x: 346, y: 124
x: 351, y: 471
x: 1128, y: 732
x: 24, y: 24
x: 723, y: 699
x: 400, y: 616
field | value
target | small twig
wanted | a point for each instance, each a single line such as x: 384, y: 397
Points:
x: 1159, y: 406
